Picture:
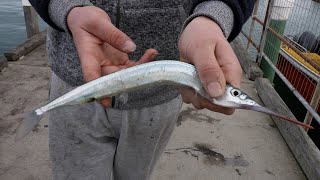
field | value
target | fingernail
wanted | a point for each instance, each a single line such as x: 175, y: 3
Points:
x: 214, y: 89
x: 154, y: 55
x: 129, y: 46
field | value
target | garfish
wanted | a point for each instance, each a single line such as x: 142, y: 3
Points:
x: 157, y: 73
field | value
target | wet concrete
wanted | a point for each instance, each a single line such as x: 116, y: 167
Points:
x: 205, y: 145
x: 193, y: 115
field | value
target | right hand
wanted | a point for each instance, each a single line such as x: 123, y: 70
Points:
x: 203, y: 44
x: 102, y: 48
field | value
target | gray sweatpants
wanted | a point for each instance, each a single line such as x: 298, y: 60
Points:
x: 90, y: 142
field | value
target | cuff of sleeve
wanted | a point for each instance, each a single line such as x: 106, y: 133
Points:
x: 59, y: 10
x: 218, y: 11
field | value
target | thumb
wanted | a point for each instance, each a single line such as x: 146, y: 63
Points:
x: 113, y: 36
x: 106, y: 31
x: 209, y: 71
x: 97, y: 22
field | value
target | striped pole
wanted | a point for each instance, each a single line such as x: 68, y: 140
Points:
x: 279, y: 16
x: 31, y: 19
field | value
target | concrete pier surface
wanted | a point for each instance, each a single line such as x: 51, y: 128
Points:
x: 205, y: 145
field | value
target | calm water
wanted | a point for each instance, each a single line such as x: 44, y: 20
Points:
x: 305, y: 16
x: 12, y: 27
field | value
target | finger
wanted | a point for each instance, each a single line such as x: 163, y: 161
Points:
x: 212, y: 107
x: 209, y: 71
x: 106, y: 31
x: 229, y: 64
x: 106, y: 102
x: 149, y: 55
x: 189, y: 96
x: 112, y: 56
x: 105, y: 70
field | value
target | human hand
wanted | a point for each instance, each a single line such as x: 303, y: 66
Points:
x: 102, y: 48
x: 203, y: 44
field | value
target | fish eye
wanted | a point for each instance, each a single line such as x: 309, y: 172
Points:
x: 235, y: 92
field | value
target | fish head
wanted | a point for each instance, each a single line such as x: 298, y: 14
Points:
x: 235, y: 98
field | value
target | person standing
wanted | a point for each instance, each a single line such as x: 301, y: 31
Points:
x: 123, y: 137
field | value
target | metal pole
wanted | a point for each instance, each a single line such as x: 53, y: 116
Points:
x: 314, y: 103
x: 254, y: 13
x: 296, y: 50
x: 31, y: 19
x: 265, y: 30
x: 294, y: 91
x: 250, y: 40
x: 280, y: 13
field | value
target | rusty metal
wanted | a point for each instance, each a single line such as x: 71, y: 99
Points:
x: 297, y: 65
x: 264, y: 30
x: 293, y: 89
x: 306, y: 58
x: 250, y: 40
x: 314, y: 104
x: 254, y: 13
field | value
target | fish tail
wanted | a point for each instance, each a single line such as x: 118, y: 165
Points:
x: 27, y: 124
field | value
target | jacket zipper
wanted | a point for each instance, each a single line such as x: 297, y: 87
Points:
x: 118, y: 14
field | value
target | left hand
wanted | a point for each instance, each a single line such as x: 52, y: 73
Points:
x: 102, y: 47
x: 118, y: 60
x: 203, y: 44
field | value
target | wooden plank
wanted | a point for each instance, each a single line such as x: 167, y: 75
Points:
x: 248, y: 64
x: 314, y: 104
x: 26, y: 47
x: 31, y: 21
x: 3, y: 62
x: 302, y: 147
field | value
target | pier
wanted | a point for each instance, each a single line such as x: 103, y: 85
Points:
x: 205, y: 145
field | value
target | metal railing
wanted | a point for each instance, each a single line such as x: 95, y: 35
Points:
x: 283, y: 52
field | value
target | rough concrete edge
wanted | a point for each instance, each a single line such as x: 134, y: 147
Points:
x: 3, y: 62
x: 26, y: 47
x: 301, y: 145
x: 248, y: 64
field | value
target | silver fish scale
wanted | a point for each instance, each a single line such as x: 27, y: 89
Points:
x: 166, y: 72
x: 156, y: 73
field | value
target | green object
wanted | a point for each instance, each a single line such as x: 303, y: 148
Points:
x: 272, y: 48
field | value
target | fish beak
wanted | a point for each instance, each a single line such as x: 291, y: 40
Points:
x: 259, y: 108
x: 234, y: 98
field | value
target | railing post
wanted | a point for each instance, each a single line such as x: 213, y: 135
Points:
x: 255, y: 10
x: 314, y: 104
x: 281, y: 10
x: 264, y: 31
x: 31, y: 19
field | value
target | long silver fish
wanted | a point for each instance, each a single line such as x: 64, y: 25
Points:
x: 155, y: 73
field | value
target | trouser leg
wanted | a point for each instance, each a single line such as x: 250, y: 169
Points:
x: 143, y: 135
x: 81, y: 141
x: 89, y: 142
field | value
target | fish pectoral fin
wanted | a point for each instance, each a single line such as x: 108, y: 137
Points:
x: 27, y: 125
